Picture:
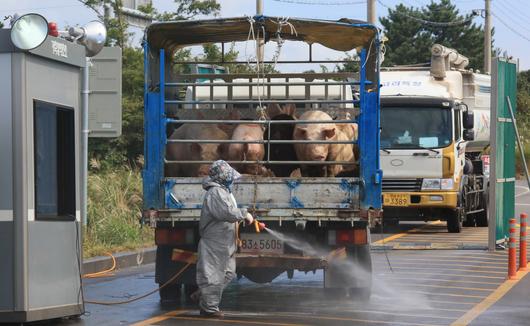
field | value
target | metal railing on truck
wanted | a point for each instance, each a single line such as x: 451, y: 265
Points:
x: 161, y: 112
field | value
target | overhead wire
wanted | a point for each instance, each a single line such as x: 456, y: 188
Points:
x: 510, y: 27
x: 428, y: 22
x: 323, y: 3
x: 515, y: 16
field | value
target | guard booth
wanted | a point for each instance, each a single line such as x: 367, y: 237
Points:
x: 40, y: 185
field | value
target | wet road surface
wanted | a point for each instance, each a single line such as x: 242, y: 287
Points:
x: 410, y: 288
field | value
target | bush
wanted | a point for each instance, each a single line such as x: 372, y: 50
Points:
x: 114, y: 210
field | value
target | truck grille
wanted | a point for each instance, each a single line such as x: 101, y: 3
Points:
x: 390, y: 185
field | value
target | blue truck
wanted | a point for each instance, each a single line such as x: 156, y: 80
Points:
x: 328, y: 212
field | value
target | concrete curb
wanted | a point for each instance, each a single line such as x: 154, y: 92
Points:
x: 123, y: 260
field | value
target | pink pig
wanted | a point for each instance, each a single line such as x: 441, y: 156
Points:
x: 247, y: 151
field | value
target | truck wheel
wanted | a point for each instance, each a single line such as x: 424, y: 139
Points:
x: 454, y: 223
x: 482, y: 218
x: 170, y: 293
x: 351, y: 276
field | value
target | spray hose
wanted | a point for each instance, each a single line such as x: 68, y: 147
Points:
x: 112, y: 303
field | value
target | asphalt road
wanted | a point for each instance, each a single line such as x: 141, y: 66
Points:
x: 411, y: 288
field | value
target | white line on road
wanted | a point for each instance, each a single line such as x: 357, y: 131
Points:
x: 526, y: 191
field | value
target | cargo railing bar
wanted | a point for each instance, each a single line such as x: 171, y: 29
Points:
x: 266, y: 61
x: 264, y: 101
x: 266, y: 162
x: 315, y: 75
x: 265, y: 122
x: 276, y: 141
x: 241, y: 84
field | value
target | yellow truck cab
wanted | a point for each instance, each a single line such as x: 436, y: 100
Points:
x: 434, y: 131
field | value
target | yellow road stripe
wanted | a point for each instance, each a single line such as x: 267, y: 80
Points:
x: 447, y: 294
x: 379, y: 304
x: 445, y: 274
x: 393, y: 313
x: 488, y: 301
x: 399, y: 235
x: 440, y: 280
x: 160, y: 318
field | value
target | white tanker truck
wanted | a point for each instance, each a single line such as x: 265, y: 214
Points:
x: 434, y: 135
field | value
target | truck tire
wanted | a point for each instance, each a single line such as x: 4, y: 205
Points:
x: 351, y: 276
x: 454, y: 221
x: 170, y: 293
x: 482, y: 218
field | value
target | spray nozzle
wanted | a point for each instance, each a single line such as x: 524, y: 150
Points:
x: 259, y: 226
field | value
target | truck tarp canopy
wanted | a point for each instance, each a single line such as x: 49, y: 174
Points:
x: 342, y: 35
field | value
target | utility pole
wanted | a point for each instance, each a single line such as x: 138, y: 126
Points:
x: 370, y: 11
x: 487, y: 37
x: 261, y: 43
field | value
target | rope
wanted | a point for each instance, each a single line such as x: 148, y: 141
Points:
x: 112, y: 303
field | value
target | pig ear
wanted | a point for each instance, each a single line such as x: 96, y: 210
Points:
x: 273, y: 109
x: 289, y: 109
x: 329, y: 133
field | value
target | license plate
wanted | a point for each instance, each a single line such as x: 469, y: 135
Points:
x: 260, y: 243
x: 396, y: 200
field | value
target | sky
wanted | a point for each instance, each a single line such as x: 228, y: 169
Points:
x: 511, y: 18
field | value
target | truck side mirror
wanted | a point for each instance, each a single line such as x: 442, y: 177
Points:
x: 469, y: 134
x: 468, y: 120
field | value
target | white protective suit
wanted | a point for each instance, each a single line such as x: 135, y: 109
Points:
x: 217, y: 247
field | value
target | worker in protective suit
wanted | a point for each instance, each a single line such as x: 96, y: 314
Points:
x: 216, y: 263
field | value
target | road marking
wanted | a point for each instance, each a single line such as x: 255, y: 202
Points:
x: 526, y: 191
x: 160, y: 318
x: 503, y: 263
x: 445, y: 274
x: 448, y: 265
x: 451, y: 269
x: 399, y: 235
x: 447, y: 294
x: 488, y: 301
x: 232, y: 321
x: 453, y: 287
x: 393, y: 313
x: 440, y: 280
x: 379, y: 304
x: 368, y: 321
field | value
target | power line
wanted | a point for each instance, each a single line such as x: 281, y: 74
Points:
x: 322, y: 3
x: 509, y: 27
x: 428, y: 22
x: 513, y: 14
x: 40, y: 8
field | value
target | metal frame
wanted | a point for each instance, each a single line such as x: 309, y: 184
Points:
x: 156, y: 122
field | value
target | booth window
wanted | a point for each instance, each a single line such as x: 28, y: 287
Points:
x: 54, y: 146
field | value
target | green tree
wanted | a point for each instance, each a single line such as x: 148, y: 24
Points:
x: 129, y: 146
x: 410, y: 38
x: 523, y: 101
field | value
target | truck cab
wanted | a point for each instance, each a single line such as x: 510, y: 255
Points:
x: 434, y: 132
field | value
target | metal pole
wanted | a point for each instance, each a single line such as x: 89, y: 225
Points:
x: 261, y: 43
x: 521, y: 148
x: 370, y: 11
x: 492, y: 207
x: 487, y: 37
x: 84, y: 141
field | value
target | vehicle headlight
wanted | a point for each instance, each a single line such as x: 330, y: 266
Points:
x: 437, y: 184
x: 430, y: 184
x: 447, y: 184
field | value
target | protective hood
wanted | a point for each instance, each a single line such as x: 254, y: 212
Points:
x: 221, y: 174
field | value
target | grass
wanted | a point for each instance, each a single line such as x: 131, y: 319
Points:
x: 114, y: 211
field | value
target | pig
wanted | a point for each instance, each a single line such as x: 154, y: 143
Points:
x: 247, y: 151
x: 323, y: 152
x: 281, y: 152
x: 194, y: 151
